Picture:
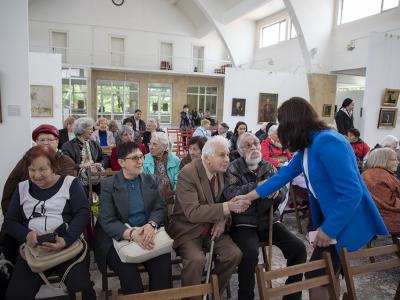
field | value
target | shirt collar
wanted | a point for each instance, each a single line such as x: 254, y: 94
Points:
x: 209, y: 174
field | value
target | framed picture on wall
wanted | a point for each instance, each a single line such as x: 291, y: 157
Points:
x: 238, y: 107
x: 391, y: 97
x: 267, y: 107
x: 387, y: 118
x: 327, y: 110
x: 41, y: 101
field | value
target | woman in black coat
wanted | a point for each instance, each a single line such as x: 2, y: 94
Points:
x: 344, y: 117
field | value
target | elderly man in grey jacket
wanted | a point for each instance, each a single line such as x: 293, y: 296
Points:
x: 250, y: 227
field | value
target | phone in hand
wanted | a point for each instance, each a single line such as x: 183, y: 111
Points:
x: 46, y: 238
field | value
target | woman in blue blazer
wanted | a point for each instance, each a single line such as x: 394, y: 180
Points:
x: 342, y: 208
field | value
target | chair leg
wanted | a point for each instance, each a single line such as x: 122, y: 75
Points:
x: 371, y: 258
x: 228, y: 290
x: 266, y: 265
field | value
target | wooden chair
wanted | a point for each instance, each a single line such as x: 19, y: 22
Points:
x: 294, y: 200
x: 174, y: 293
x: 352, y: 270
x: 106, y: 150
x: 329, y: 279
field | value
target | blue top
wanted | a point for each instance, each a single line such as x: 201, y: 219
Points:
x: 136, y: 213
x: 344, y: 209
x: 173, y: 163
x: 103, y: 138
x: 200, y: 131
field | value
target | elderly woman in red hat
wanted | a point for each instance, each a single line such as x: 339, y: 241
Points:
x: 43, y: 135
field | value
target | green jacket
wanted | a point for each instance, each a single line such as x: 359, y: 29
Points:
x: 172, y: 167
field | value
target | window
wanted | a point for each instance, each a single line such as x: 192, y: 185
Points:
x: 58, y: 44
x: 117, y: 100
x: 117, y: 51
x: 273, y: 34
x: 198, y: 59
x: 204, y: 98
x: 74, y: 92
x: 160, y: 102
x: 352, y: 10
x: 166, y: 56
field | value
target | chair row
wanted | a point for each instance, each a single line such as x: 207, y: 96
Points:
x: 390, y: 259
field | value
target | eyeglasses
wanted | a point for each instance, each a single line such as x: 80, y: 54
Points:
x: 249, y: 145
x: 135, y: 158
x: 42, y: 141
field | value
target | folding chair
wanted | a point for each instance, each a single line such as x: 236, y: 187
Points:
x: 174, y: 293
x: 352, y: 270
x: 267, y: 292
x: 296, y: 210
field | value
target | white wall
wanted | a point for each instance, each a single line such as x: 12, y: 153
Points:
x: 143, y: 24
x: 45, y: 69
x: 249, y: 84
x: 15, y: 131
x: 360, y: 30
x: 383, y: 67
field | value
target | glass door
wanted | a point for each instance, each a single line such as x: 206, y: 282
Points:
x: 160, y: 103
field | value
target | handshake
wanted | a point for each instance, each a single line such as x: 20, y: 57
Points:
x: 239, y: 204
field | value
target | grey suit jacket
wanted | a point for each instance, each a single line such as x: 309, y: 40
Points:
x: 195, y: 205
x: 114, y: 211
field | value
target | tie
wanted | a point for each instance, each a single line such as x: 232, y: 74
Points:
x: 207, y: 226
x: 212, y: 184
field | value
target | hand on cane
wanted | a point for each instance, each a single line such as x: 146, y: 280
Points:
x: 217, y: 230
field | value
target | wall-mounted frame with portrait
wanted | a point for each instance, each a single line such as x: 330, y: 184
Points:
x: 387, y: 118
x: 238, y: 107
x: 391, y: 97
x: 267, y: 107
x: 327, y: 110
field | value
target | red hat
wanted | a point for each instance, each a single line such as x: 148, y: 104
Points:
x: 45, y: 128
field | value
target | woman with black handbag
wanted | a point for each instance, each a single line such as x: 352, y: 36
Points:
x: 39, y: 206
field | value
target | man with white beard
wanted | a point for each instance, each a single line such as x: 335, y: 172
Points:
x: 251, y: 226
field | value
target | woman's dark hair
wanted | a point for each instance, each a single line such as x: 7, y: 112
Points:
x: 186, y: 106
x: 346, y: 102
x: 354, y: 132
x: 41, y: 150
x: 235, y: 131
x: 128, y: 120
x: 198, y: 140
x: 269, y: 125
x: 297, y: 121
x: 123, y: 149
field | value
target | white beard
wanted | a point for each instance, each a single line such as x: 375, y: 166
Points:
x: 252, y: 163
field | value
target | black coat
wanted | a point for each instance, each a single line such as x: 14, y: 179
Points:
x: 63, y: 137
x: 142, y: 125
x: 343, y: 122
x: 239, y: 180
x: 73, y: 150
x: 114, y: 212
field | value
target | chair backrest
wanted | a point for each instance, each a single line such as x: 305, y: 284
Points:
x: 91, y: 175
x: 387, y: 262
x: 176, y: 293
x: 267, y: 292
x: 106, y: 150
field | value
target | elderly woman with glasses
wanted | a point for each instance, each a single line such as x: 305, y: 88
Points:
x: 125, y: 134
x: 384, y: 186
x: 46, y: 135
x: 163, y: 164
x: 48, y: 202
x: 132, y: 198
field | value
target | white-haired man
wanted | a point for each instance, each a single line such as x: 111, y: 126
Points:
x: 250, y: 227
x: 199, y: 215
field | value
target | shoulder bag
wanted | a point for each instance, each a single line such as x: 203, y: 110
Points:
x: 131, y: 252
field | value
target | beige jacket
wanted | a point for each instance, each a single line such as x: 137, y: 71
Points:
x: 195, y: 205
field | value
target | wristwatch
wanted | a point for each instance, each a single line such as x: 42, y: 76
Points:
x: 153, y: 224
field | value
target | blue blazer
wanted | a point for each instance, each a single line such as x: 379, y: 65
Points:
x: 344, y: 209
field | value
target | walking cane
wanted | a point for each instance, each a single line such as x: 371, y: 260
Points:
x: 271, y: 217
x: 209, y: 265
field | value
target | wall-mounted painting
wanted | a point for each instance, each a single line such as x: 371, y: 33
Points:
x: 326, y: 110
x: 391, y: 97
x: 387, y: 118
x: 267, y: 107
x: 238, y: 107
x: 41, y: 101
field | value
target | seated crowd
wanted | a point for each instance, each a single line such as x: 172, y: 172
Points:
x: 198, y: 199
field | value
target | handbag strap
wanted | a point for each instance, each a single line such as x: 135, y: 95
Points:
x: 305, y: 167
x: 61, y: 283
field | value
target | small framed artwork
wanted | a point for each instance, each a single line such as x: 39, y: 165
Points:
x: 391, y: 97
x: 267, y: 107
x: 238, y: 107
x: 41, y: 101
x: 327, y: 110
x: 387, y: 118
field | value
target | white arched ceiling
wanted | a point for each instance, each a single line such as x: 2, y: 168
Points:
x: 314, y: 31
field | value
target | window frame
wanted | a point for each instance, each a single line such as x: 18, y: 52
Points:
x: 205, y: 94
